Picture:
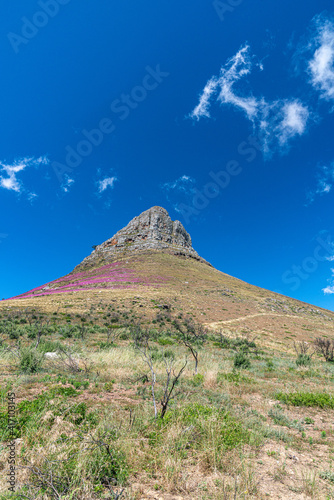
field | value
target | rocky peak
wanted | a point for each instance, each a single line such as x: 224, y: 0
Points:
x: 151, y: 230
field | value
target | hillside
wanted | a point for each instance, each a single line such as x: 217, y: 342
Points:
x: 152, y: 259
x: 243, y: 401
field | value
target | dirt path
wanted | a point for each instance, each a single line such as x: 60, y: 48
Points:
x: 228, y: 321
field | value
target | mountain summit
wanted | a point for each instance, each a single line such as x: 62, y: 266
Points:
x: 151, y: 264
x: 151, y: 230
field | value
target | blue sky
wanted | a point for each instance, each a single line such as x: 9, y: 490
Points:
x: 222, y: 112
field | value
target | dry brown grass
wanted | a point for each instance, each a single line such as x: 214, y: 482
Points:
x: 185, y: 460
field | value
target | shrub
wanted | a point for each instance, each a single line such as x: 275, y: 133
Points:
x: 233, y: 377
x: 105, y: 346
x: 124, y: 336
x: 313, y: 399
x: 165, y: 341
x: 270, y: 365
x: 303, y: 360
x: 241, y: 360
x: 31, y: 361
x: 14, y: 335
x: 49, y: 346
x: 107, y: 465
x: 325, y: 347
x: 242, y: 343
x: 197, y: 380
x: 328, y: 475
x: 160, y: 355
x: 108, y: 386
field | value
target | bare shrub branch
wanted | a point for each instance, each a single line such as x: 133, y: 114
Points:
x: 325, y: 347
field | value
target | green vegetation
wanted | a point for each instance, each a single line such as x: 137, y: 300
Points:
x: 241, y: 360
x: 280, y: 418
x: 319, y: 399
x: 328, y: 475
x: 30, y: 360
x: 86, y: 418
x: 303, y: 360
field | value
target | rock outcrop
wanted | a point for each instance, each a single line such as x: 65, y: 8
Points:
x: 151, y: 230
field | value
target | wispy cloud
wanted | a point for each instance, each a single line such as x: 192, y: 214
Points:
x: 295, y: 117
x: 67, y: 183
x: 107, y: 182
x: 321, y: 65
x: 330, y: 288
x: 275, y: 122
x: 183, y: 187
x: 9, y: 173
x: 325, y: 182
x: 235, y: 68
x: 202, y: 108
x: 184, y: 184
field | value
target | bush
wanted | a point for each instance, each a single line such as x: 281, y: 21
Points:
x: 165, y: 341
x: 303, y: 360
x: 197, y: 380
x: 313, y: 399
x: 108, y: 386
x: 160, y: 355
x: 31, y: 361
x: 328, y: 475
x: 326, y: 348
x: 241, y: 360
x: 241, y: 343
x: 49, y: 346
x: 270, y: 365
x: 105, y: 346
x: 124, y: 336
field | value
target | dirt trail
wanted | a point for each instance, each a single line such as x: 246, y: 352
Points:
x: 228, y: 321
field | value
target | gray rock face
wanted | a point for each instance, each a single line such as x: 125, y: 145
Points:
x: 151, y: 230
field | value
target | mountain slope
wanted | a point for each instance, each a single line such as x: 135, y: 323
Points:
x: 151, y: 263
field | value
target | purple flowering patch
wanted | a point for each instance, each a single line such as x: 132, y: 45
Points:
x: 111, y: 276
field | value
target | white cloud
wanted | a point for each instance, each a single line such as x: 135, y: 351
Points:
x: 295, y: 117
x: 184, y: 184
x: 67, y: 183
x: 329, y: 289
x: 236, y: 68
x: 183, y: 187
x: 321, y: 66
x: 32, y: 196
x: 105, y: 183
x: 8, y: 172
x: 202, y: 109
x: 293, y: 120
x: 325, y: 182
x: 275, y: 122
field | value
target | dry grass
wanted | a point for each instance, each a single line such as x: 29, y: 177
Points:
x: 219, y: 440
